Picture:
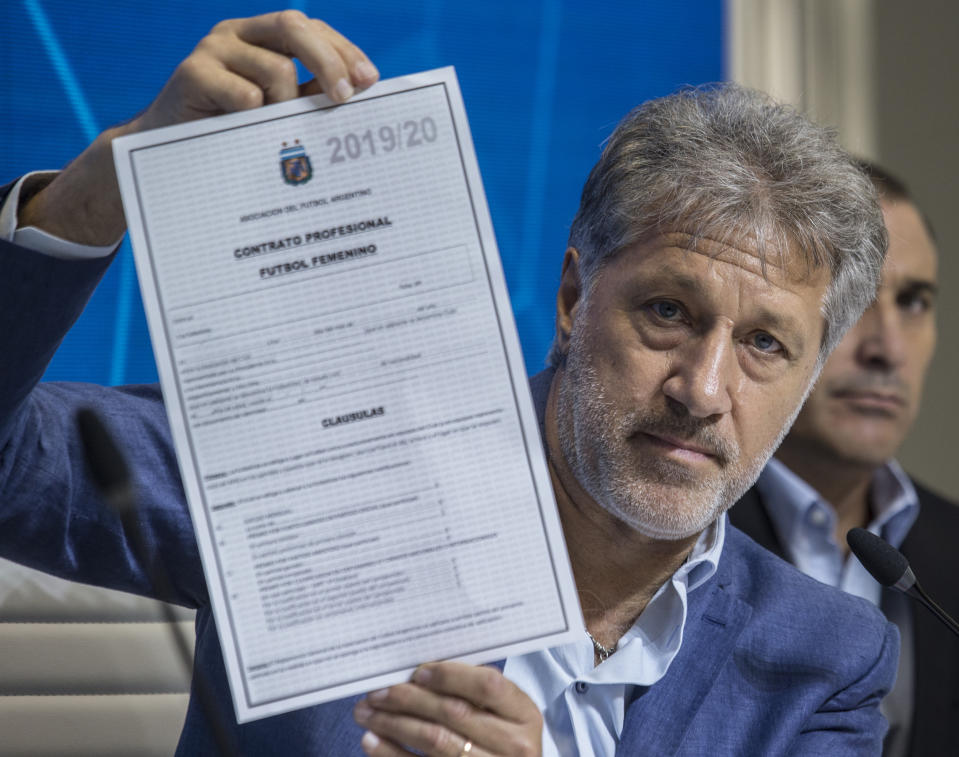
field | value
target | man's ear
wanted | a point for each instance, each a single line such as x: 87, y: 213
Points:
x: 567, y: 298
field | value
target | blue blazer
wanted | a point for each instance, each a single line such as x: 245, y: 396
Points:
x: 771, y: 662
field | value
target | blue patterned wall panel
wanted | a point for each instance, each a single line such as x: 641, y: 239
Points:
x: 544, y: 82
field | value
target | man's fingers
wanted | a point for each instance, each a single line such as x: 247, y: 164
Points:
x: 431, y: 721
x: 247, y: 62
x: 208, y: 88
x: 274, y: 73
x: 339, y: 66
x: 376, y: 746
x: 483, y: 686
x: 391, y: 729
x: 362, y: 71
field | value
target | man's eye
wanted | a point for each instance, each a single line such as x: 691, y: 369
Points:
x: 766, y: 343
x: 666, y: 310
x: 914, y: 303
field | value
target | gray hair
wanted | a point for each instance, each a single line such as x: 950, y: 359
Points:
x: 729, y: 163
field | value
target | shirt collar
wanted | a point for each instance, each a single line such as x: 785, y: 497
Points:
x: 703, y: 561
x: 789, y: 500
x: 647, y: 649
x: 793, y: 504
x: 895, y: 503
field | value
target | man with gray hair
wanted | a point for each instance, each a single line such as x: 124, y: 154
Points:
x: 722, y: 247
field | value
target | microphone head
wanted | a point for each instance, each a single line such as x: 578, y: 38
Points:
x: 886, y: 563
x: 104, y: 461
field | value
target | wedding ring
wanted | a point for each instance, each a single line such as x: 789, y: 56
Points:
x: 467, y: 748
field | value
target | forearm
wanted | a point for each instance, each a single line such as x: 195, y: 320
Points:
x: 82, y: 204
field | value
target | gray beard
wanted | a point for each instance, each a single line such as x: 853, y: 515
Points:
x: 665, y: 500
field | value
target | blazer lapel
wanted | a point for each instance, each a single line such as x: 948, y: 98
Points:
x: 657, y: 720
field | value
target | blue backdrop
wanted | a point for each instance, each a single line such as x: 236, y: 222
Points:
x: 544, y: 82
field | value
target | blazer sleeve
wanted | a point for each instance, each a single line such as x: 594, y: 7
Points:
x: 51, y: 516
x: 849, y: 722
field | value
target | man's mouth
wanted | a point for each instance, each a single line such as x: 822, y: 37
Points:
x: 681, y: 449
x: 872, y: 400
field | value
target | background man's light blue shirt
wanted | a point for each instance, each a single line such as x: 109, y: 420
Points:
x: 806, y: 524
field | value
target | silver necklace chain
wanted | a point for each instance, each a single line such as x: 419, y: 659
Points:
x: 602, y: 652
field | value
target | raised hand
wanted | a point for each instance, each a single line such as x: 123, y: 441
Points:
x: 241, y: 64
x: 247, y: 62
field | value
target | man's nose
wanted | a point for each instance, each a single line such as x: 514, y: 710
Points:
x: 702, y: 375
x: 882, y: 341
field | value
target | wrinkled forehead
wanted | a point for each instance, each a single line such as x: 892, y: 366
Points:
x: 779, y: 261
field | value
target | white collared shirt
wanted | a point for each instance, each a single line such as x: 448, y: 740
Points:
x: 584, y: 706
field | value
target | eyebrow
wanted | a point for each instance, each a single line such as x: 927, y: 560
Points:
x: 771, y: 319
x: 917, y: 286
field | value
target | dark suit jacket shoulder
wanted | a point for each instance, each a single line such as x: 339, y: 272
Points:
x: 932, y: 548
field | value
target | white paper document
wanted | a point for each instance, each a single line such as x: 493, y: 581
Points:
x: 347, y: 396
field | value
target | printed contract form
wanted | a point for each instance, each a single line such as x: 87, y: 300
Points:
x: 346, y: 392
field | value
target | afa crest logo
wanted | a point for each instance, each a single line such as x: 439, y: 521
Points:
x: 295, y: 164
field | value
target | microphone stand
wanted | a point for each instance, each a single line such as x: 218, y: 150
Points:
x: 112, y: 478
x: 917, y: 593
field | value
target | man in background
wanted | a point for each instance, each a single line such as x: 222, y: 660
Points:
x: 836, y: 471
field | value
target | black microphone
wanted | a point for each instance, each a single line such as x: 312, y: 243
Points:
x: 110, y: 474
x: 890, y: 567
x: 106, y: 465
